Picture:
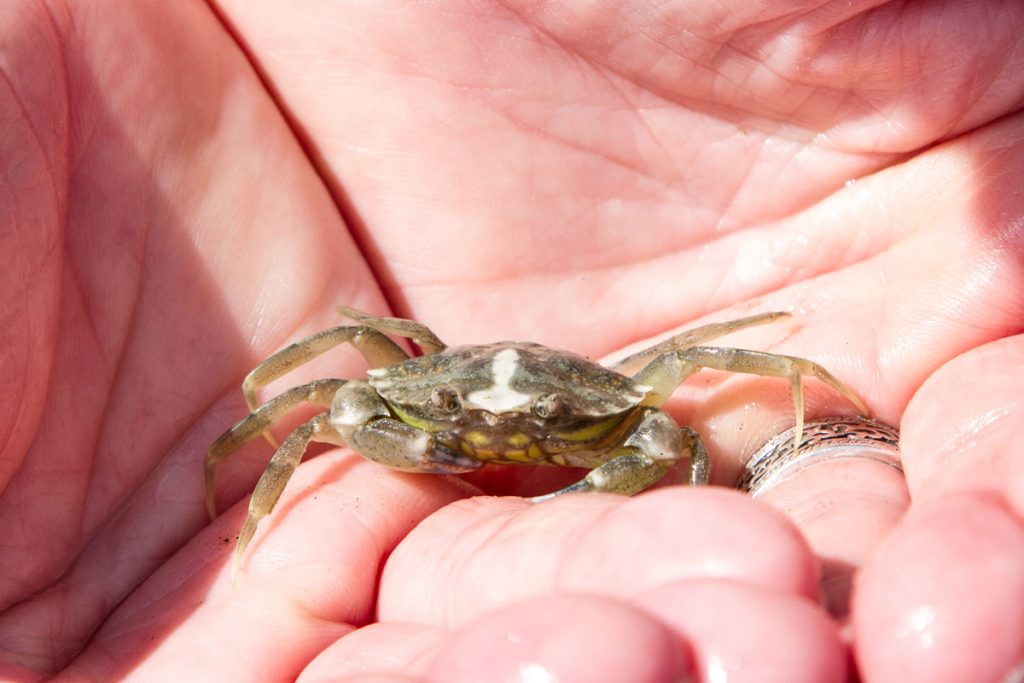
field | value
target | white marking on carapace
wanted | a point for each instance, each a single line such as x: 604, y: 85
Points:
x: 500, y: 397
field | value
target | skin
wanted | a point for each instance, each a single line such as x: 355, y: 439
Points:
x: 584, y: 178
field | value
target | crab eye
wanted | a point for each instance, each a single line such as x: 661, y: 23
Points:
x: 548, y: 405
x: 444, y: 398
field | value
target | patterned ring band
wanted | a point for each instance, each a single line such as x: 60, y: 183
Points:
x: 823, y: 440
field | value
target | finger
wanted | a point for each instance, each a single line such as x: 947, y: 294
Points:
x: 570, y: 639
x: 380, y: 648
x: 375, y: 678
x: 483, y: 553
x: 962, y: 429
x: 727, y: 625
x: 308, y: 579
x: 844, y: 507
x: 743, y: 632
x: 941, y: 601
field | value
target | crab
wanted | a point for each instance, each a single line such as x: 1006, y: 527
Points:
x: 454, y: 410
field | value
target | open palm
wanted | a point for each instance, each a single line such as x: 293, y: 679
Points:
x: 186, y: 191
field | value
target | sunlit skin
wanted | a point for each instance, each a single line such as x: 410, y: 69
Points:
x: 187, y: 191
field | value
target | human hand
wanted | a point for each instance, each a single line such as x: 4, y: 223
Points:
x: 580, y: 180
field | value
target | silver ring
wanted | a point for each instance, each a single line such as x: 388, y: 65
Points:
x: 823, y: 440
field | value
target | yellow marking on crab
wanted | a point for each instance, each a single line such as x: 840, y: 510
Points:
x: 559, y: 459
x: 477, y: 438
x: 467, y: 448
x: 416, y: 422
x: 535, y: 453
x: 518, y: 456
x: 484, y: 455
x: 518, y: 440
x: 591, y: 432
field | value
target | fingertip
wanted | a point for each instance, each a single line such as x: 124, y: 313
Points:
x: 940, y: 602
x: 744, y: 632
x: 700, y: 532
x: 382, y: 651
x: 568, y: 638
x: 960, y: 430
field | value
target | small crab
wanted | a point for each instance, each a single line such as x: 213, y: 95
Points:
x: 454, y: 410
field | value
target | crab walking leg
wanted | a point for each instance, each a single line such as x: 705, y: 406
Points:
x: 400, y: 327
x: 665, y: 373
x: 697, y: 335
x: 271, y: 484
x: 368, y: 338
x: 320, y: 392
x: 650, y: 450
x: 377, y: 349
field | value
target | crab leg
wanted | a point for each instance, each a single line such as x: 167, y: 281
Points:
x: 275, y: 477
x: 698, y: 335
x: 400, y: 327
x: 377, y: 349
x: 665, y: 373
x: 320, y: 392
x: 359, y: 419
x: 653, y: 447
x: 368, y: 338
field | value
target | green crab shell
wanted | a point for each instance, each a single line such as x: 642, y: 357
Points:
x: 507, y: 377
